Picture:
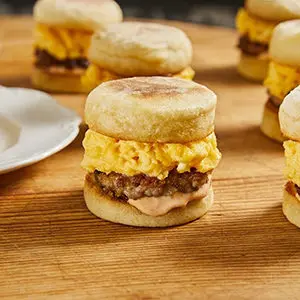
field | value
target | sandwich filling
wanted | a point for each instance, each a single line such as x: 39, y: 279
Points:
x: 155, y: 178
x: 293, y: 189
x: 61, y: 48
x: 255, y: 33
x: 292, y: 157
x: 273, y: 103
x: 281, y: 79
x: 292, y: 173
x: 95, y: 75
x: 106, y: 154
x: 150, y: 195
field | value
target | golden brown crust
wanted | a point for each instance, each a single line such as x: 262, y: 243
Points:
x: 121, y: 212
x: 57, y: 82
x: 147, y: 90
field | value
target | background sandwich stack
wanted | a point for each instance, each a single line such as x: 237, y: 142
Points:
x: 290, y: 126
x: 62, y: 38
x: 69, y: 59
x: 283, y: 74
x: 255, y: 23
x: 138, y: 49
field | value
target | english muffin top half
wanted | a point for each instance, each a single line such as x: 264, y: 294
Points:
x: 285, y: 43
x: 141, y: 49
x: 289, y: 115
x: 274, y: 10
x: 152, y: 109
x: 87, y: 15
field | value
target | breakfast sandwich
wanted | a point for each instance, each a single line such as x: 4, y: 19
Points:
x: 255, y: 23
x: 132, y: 49
x: 150, y: 151
x: 283, y: 75
x: 289, y: 116
x: 63, y: 34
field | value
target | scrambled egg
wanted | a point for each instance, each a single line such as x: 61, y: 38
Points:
x: 187, y: 73
x: 62, y: 43
x: 281, y: 79
x: 94, y: 76
x: 292, y: 156
x: 107, y: 155
x: 258, y: 30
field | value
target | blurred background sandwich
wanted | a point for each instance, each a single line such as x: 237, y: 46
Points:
x: 283, y: 74
x: 138, y: 49
x: 255, y: 23
x: 216, y: 12
x: 62, y: 38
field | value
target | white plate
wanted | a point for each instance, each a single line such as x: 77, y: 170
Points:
x: 33, y: 126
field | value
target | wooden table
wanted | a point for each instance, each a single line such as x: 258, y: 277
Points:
x: 53, y: 248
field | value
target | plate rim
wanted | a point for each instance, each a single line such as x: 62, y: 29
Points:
x: 20, y: 162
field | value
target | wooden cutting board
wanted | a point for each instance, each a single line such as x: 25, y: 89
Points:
x: 53, y: 248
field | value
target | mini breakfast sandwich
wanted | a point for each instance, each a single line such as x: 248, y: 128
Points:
x: 289, y: 115
x: 255, y: 24
x: 283, y: 75
x: 63, y: 34
x: 150, y: 151
x: 132, y: 49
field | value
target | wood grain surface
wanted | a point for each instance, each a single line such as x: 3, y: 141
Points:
x: 53, y: 248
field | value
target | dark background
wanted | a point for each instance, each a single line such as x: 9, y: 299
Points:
x: 212, y: 12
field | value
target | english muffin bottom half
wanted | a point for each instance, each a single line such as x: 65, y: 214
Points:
x: 150, y: 151
x: 62, y: 36
x: 132, y: 49
x: 289, y: 116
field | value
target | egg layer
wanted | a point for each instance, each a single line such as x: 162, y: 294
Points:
x: 281, y: 79
x: 62, y: 43
x: 95, y: 75
x: 292, y: 156
x: 107, y: 155
x: 257, y: 30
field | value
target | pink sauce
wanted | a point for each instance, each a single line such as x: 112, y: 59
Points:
x: 162, y: 205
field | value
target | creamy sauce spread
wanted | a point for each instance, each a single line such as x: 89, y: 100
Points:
x: 160, y: 206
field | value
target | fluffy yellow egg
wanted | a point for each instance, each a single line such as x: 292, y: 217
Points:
x: 281, y: 79
x: 187, y: 73
x: 292, y: 156
x: 107, y: 155
x: 257, y: 30
x: 62, y: 43
x: 95, y: 75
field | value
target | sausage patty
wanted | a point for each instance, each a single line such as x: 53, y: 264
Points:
x: 46, y: 60
x: 124, y: 187
x: 292, y: 188
x: 252, y: 48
